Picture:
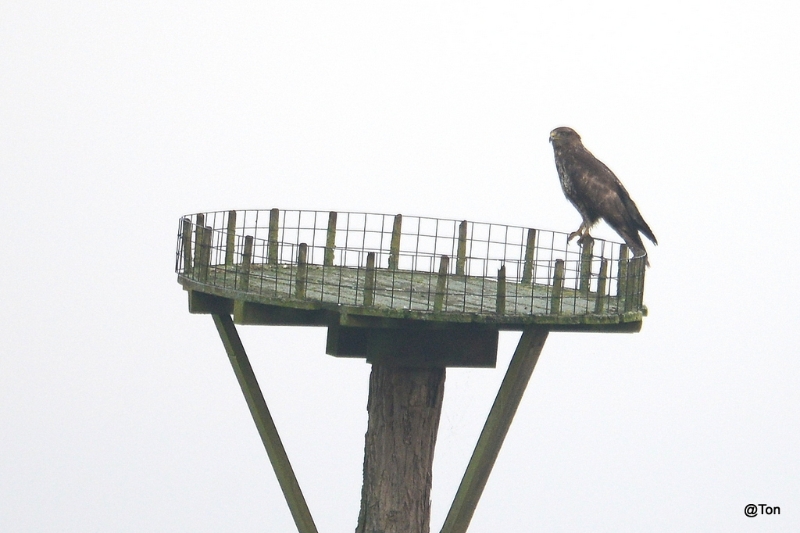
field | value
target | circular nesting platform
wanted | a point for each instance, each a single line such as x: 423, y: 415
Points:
x: 354, y: 272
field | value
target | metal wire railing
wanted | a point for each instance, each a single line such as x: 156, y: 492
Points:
x: 405, y: 263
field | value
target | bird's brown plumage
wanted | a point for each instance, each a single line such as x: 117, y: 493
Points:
x: 596, y: 192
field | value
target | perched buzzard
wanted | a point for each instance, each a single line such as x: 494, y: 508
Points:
x: 596, y: 192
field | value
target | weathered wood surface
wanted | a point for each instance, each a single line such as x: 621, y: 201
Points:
x: 403, y: 290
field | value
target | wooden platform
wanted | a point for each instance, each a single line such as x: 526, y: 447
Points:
x: 400, y: 325
x: 439, y: 315
x: 342, y: 291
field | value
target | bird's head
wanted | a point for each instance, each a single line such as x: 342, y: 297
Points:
x: 564, y: 134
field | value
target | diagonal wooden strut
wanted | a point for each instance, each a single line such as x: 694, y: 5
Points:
x: 266, y: 427
x: 495, y: 430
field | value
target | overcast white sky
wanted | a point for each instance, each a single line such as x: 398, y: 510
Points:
x: 119, y: 410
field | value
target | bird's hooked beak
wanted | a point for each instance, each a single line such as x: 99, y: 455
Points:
x: 552, y: 136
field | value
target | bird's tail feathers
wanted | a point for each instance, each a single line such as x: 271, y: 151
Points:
x: 647, y: 232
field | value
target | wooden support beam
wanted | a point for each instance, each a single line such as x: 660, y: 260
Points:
x: 461, y: 254
x: 500, y: 307
x: 272, y: 237
x: 208, y: 304
x: 495, y: 430
x: 230, y: 238
x: 330, y: 240
x: 441, y: 284
x: 255, y: 314
x: 558, y: 288
x: 460, y: 345
x: 266, y: 427
x: 394, y: 246
x: 530, y: 248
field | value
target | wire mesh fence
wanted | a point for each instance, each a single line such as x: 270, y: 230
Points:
x: 405, y: 263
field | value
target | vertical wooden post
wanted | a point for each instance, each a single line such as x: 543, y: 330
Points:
x: 186, y: 239
x: 244, y: 269
x: 530, y: 248
x: 441, y: 284
x: 404, y: 408
x: 635, y: 274
x: 599, y: 303
x: 330, y: 241
x: 495, y: 430
x: 622, y: 277
x: 642, y: 270
x: 230, y: 238
x: 586, y: 266
x: 369, y: 280
x: 199, y: 228
x: 264, y: 423
x: 558, y: 287
x: 394, y: 246
x: 500, y: 307
x: 202, y: 255
x: 302, y: 271
x: 461, y: 254
x: 272, y: 237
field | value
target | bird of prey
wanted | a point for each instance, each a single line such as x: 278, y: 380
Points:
x: 596, y: 192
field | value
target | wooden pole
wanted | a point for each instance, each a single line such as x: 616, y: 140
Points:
x: 622, y: 277
x: 530, y: 249
x: 441, y: 285
x: 302, y: 271
x: 230, y: 238
x: 330, y: 240
x: 266, y: 427
x: 558, y: 287
x: 244, y: 269
x: 404, y: 407
x: 369, y: 280
x: 202, y: 253
x: 272, y: 236
x: 586, y: 266
x: 500, y: 307
x: 394, y: 245
x: 599, y: 304
x: 495, y: 430
x: 640, y: 284
x: 186, y: 237
x: 461, y: 253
